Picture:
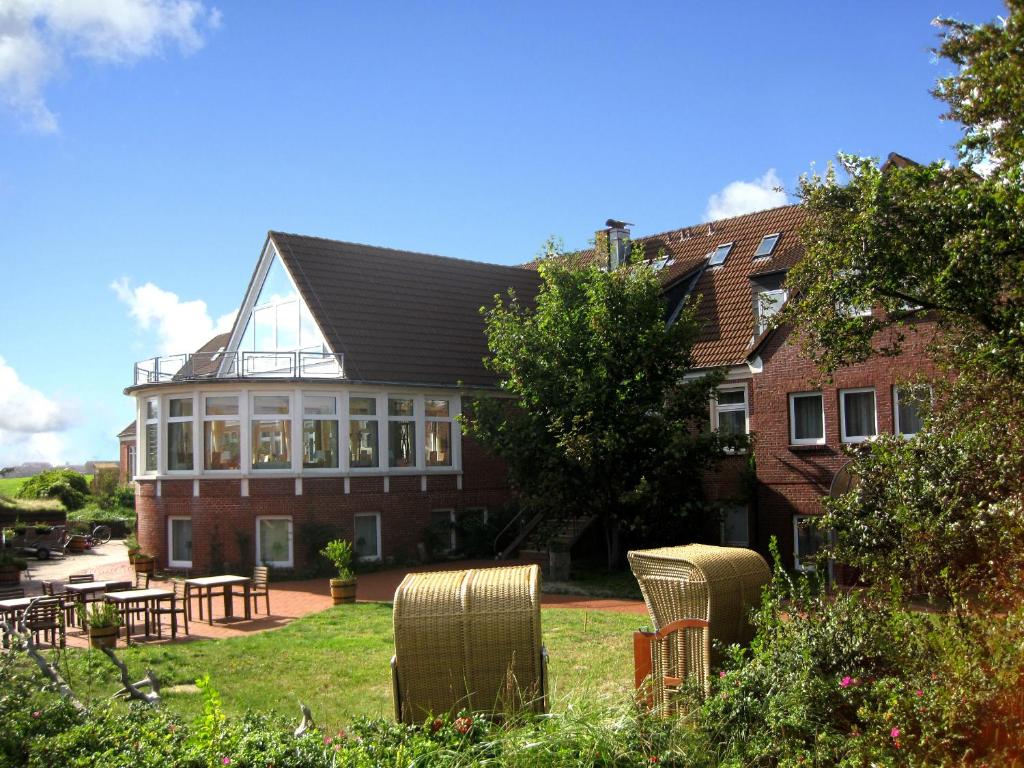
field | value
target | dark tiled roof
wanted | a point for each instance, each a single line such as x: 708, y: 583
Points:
x: 398, y: 316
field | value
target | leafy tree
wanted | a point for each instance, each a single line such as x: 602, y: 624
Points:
x: 944, y: 244
x: 602, y: 420
x: 65, y: 484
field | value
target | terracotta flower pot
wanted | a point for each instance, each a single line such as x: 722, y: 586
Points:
x: 343, y: 590
x: 77, y: 544
x: 103, y: 637
x: 144, y: 565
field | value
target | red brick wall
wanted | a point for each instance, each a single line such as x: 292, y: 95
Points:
x: 122, y: 475
x: 223, y: 519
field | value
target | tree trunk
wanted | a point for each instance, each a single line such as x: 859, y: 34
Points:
x: 612, y: 541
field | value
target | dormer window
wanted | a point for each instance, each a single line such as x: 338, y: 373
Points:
x: 719, y: 254
x: 767, y: 246
x: 659, y: 264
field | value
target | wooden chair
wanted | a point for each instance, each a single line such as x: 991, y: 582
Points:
x: 118, y: 586
x: 45, y: 616
x: 665, y: 661
x: 172, y: 606
x: 141, y: 580
x: 9, y: 593
x: 50, y: 589
x: 81, y: 578
x: 260, y: 586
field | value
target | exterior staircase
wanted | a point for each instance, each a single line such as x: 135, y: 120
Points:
x: 539, y: 536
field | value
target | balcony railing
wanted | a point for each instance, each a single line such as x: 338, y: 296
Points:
x: 220, y: 365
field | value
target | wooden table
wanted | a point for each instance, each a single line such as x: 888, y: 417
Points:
x: 80, y: 591
x: 129, y: 598
x: 207, y: 584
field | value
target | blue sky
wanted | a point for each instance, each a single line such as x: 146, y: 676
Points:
x: 146, y: 146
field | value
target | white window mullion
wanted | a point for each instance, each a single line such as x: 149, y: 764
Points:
x: 456, y: 433
x: 244, y: 433
x: 383, y: 433
x: 298, y: 415
x: 421, y: 423
x: 344, y: 433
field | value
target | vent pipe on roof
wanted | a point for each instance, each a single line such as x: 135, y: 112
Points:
x: 617, y: 236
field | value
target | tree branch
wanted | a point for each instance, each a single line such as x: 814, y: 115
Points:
x: 132, y: 690
x: 23, y: 637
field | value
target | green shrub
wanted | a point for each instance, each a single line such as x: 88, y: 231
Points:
x: 65, y: 484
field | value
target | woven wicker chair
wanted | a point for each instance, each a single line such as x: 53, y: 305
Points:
x: 468, y: 640
x: 717, y: 584
x: 664, y: 661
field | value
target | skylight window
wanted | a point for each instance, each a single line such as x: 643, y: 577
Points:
x: 719, y: 254
x: 767, y: 246
x: 659, y: 264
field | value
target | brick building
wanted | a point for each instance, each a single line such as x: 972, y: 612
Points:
x: 332, y: 401
x: 330, y: 404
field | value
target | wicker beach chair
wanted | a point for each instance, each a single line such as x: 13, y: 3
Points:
x: 697, y: 581
x: 665, y: 661
x: 468, y: 640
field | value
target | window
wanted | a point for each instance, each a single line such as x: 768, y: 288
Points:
x: 132, y: 471
x: 908, y: 403
x: 222, y: 433
x: 274, y: 541
x: 150, y: 434
x: 731, y: 411
x: 179, y: 536
x: 366, y: 532
x: 768, y: 304
x: 719, y: 254
x: 807, y: 541
x: 736, y: 526
x: 179, y: 434
x: 271, y: 437
x: 660, y: 263
x: 437, y: 433
x: 857, y: 414
x: 442, y: 525
x: 401, y: 432
x: 363, y: 432
x: 319, y: 431
x: 806, y: 419
x: 767, y: 246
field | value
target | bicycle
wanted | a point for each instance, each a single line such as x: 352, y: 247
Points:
x: 100, y: 535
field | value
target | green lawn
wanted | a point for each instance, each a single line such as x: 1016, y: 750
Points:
x: 338, y: 662
x: 10, y: 485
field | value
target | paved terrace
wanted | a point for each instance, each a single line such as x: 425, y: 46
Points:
x: 289, y: 600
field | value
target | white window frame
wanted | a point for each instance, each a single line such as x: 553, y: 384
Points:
x: 793, y: 440
x: 736, y: 542
x: 290, y: 562
x: 417, y: 425
x: 335, y: 417
x: 243, y: 432
x: 717, y: 407
x: 171, y: 562
x: 842, y: 414
x: 777, y: 304
x: 133, y: 463
x: 380, y: 544
x: 451, y: 531
x: 897, y: 427
x: 797, y: 564
x: 289, y: 417
x: 727, y: 250
x: 148, y: 421
x: 453, y: 425
x: 382, y: 436
x: 168, y: 420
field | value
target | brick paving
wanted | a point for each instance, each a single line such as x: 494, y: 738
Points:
x: 290, y: 600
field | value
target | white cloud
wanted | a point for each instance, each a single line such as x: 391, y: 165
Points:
x: 36, y: 36
x: 739, y: 197
x: 180, y: 326
x: 29, y: 421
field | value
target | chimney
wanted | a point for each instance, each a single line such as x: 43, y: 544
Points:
x: 617, y: 235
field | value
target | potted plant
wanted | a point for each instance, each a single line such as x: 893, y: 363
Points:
x: 343, y: 587
x: 11, y: 568
x: 144, y: 563
x: 101, y: 620
x: 132, y: 542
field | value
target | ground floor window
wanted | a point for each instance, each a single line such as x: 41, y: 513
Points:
x: 736, y: 526
x: 274, y: 541
x: 366, y: 529
x: 179, y: 537
x: 442, y: 526
x: 807, y: 540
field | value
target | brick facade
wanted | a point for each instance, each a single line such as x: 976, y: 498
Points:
x: 224, y: 521
x: 791, y: 479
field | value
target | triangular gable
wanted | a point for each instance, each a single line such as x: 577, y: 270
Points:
x: 275, y: 333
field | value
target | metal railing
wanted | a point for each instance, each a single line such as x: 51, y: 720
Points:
x: 253, y: 364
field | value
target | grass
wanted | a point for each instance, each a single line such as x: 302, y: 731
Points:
x: 338, y: 662
x: 595, y: 581
x: 9, y: 485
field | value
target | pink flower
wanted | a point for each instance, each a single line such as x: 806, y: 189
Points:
x: 225, y: 761
x: 722, y: 673
x: 37, y: 713
x: 919, y: 692
x: 328, y: 739
x: 463, y: 724
x: 895, y: 733
x: 846, y: 682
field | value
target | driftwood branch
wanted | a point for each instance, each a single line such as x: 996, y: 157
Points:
x: 134, y: 690
x: 21, y: 635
